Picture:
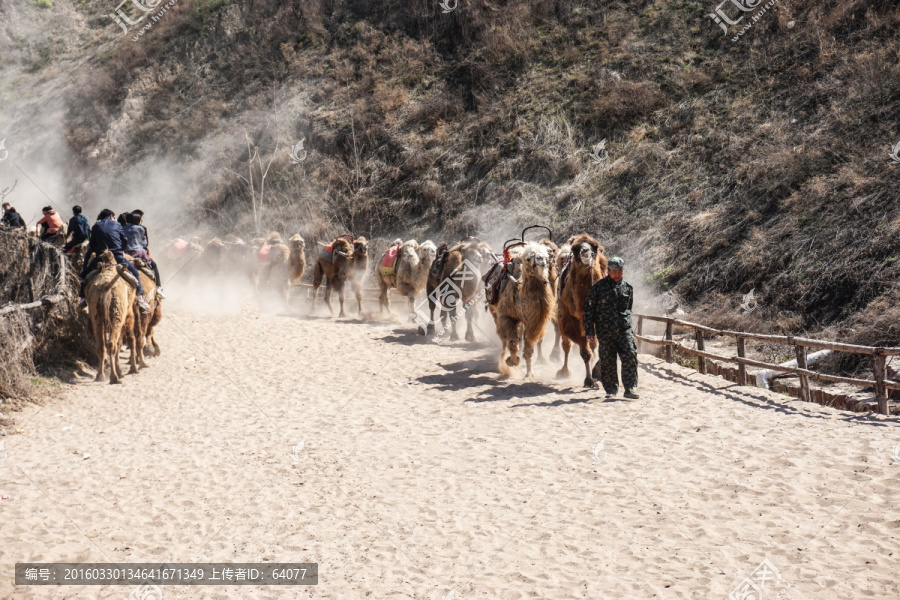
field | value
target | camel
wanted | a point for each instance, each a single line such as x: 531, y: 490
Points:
x: 285, y: 265
x: 410, y: 273
x: 451, y: 272
x: 586, y: 265
x: 340, y: 262
x: 111, y: 303
x: 553, y: 275
x: 526, y: 302
x: 140, y: 337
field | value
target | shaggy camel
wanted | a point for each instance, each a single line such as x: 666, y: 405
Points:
x: 526, y: 302
x: 450, y: 273
x: 553, y: 276
x: 140, y: 337
x: 347, y: 262
x: 110, y: 301
x: 410, y: 274
x: 586, y: 265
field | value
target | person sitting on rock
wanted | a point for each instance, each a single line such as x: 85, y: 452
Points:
x: 106, y: 234
x: 49, y: 223
x: 79, y: 229
x: 11, y: 218
x: 136, y: 246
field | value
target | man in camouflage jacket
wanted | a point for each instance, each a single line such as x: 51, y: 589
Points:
x: 607, y: 315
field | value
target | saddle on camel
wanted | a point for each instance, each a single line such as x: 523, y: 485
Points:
x: 327, y: 253
x: 389, y: 260
x: 499, y: 275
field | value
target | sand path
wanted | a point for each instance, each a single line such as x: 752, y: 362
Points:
x: 422, y: 473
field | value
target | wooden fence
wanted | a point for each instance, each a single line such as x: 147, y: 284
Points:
x: 879, y: 355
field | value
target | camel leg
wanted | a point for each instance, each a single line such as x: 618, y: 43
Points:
x: 429, y: 330
x: 137, y: 339
x: 533, y: 337
x: 470, y: 324
x: 339, y: 287
x: 554, y: 355
x: 540, y: 353
x: 318, y: 274
x: 595, y: 371
x: 357, y: 289
x: 566, y: 346
x: 327, y: 298
x: 101, y: 351
x: 112, y: 349
x: 508, y: 329
x: 528, y: 353
x: 504, y: 369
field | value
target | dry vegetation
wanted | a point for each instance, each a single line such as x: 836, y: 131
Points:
x: 756, y: 164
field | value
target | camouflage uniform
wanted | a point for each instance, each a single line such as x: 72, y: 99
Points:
x: 607, y: 314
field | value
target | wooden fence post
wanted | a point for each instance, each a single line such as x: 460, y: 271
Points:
x: 640, y: 331
x: 880, y: 390
x: 742, y: 368
x: 800, y: 351
x: 669, y: 349
x: 701, y: 360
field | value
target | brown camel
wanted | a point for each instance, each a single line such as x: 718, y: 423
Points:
x: 409, y: 275
x: 340, y: 262
x: 110, y: 301
x: 452, y: 273
x: 585, y: 266
x: 285, y: 265
x: 140, y: 337
x: 526, y: 303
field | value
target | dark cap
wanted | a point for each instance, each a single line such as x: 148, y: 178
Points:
x: 616, y: 263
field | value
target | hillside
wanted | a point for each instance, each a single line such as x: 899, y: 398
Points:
x: 761, y: 163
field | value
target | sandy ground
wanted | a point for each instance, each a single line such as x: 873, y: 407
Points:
x: 423, y: 475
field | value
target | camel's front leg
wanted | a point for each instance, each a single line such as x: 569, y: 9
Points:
x: 470, y: 324
x: 453, y: 312
x: 340, y: 290
x: 357, y: 289
x: 566, y: 346
x: 554, y: 355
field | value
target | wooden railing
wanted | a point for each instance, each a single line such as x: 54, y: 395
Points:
x: 879, y: 355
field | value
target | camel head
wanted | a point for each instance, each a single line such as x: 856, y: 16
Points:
x: 536, y: 260
x: 585, y: 250
x: 427, y: 252
x: 552, y: 248
x: 297, y: 242
x: 477, y: 253
x: 361, y: 247
x: 274, y: 238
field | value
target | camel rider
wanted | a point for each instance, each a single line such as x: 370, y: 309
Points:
x: 79, y: 229
x: 11, y: 218
x: 49, y: 223
x: 136, y: 246
x: 607, y: 316
x: 106, y: 234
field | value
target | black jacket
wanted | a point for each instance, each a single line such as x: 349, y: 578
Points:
x: 608, y: 307
x: 13, y: 219
x: 106, y: 235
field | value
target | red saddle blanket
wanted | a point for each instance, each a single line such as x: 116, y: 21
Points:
x: 389, y: 260
x: 263, y: 253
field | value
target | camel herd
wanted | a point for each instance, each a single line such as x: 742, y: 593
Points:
x: 531, y: 286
